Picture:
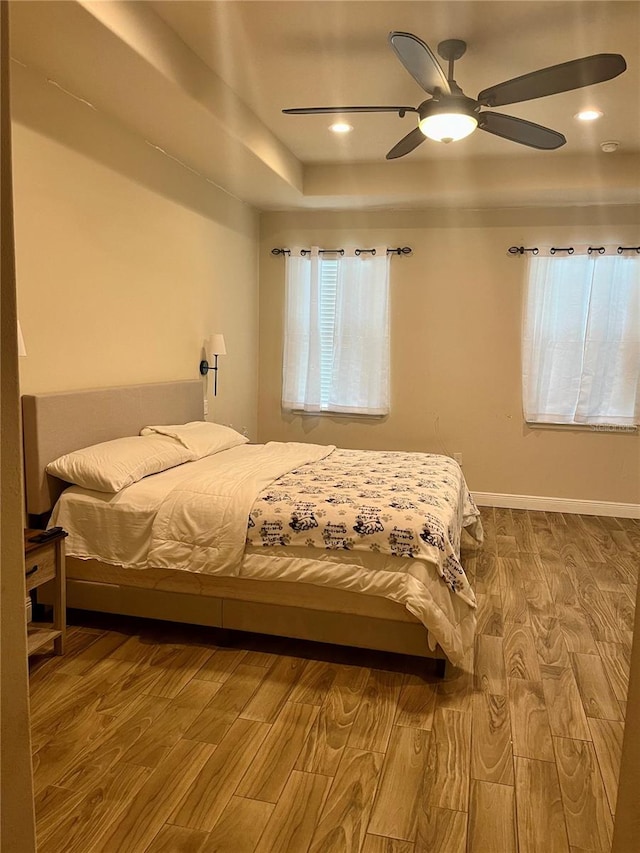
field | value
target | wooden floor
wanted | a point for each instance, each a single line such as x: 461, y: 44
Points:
x: 149, y: 737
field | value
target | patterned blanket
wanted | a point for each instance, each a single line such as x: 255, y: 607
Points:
x: 403, y: 504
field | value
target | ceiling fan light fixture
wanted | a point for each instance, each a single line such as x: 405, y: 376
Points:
x: 448, y: 126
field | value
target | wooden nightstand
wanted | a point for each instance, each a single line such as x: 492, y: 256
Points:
x: 44, y: 561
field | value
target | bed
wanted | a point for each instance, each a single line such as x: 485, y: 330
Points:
x: 296, y: 572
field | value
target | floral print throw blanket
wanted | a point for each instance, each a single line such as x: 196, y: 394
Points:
x: 402, y: 504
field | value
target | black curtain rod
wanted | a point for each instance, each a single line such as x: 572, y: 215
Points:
x: 401, y: 250
x: 520, y: 250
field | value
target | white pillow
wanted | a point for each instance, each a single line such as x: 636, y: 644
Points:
x: 202, y: 438
x: 112, y: 465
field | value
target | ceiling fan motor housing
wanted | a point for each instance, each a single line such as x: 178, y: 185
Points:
x: 453, y: 103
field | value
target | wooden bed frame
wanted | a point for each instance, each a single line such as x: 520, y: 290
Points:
x: 54, y: 424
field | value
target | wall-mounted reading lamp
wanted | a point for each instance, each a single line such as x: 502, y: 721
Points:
x: 216, y: 347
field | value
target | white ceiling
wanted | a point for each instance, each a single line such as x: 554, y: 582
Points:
x: 207, y: 81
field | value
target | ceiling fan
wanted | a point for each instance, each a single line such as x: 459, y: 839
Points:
x: 450, y: 115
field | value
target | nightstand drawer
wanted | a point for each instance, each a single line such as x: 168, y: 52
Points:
x: 40, y: 567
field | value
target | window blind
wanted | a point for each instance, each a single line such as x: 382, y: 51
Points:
x: 328, y: 292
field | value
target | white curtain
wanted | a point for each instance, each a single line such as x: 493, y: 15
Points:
x: 348, y: 370
x: 301, y: 364
x: 581, y: 340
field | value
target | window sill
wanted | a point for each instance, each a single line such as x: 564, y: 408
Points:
x: 330, y: 414
x: 607, y: 428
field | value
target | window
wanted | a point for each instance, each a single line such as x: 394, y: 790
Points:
x: 581, y: 340
x: 336, y: 347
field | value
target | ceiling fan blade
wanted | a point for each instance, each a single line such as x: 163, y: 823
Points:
x: 302, y: 111
x: 519, y: 130
x: 407, y: 144
x: 420, y: 62
x: 557, y: 78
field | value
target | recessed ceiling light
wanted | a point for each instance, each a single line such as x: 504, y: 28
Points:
x: 340, y: 127
x: 588, y: 115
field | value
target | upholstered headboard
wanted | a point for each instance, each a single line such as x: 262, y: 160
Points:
x: 58, y: 423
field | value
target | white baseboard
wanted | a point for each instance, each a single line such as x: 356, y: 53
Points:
x: 617, y: 510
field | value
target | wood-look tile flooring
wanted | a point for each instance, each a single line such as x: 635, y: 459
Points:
x: 150, y: 737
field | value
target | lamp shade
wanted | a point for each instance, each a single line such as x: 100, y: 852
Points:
x: 448, y: 127
x: 22, y: 350
x: 216, y: 345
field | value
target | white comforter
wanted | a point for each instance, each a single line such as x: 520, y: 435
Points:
x: 201, y: 525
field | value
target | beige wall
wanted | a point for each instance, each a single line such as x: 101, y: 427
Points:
x: 455, y: 360
x: 126, y: 260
